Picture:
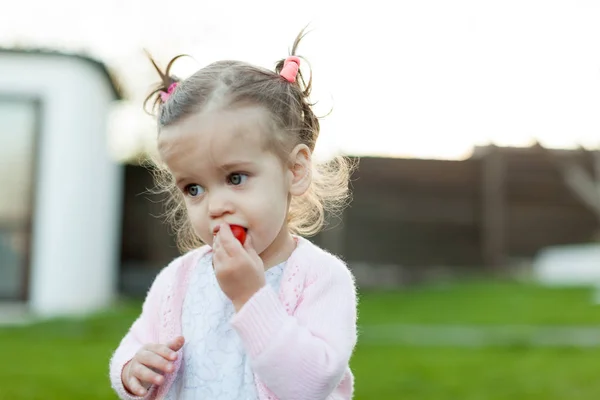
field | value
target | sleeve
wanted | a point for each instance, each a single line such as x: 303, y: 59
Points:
x: 303, y: 356
x: 143, y: 330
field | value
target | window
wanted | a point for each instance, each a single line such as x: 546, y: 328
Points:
x: 18, y: 126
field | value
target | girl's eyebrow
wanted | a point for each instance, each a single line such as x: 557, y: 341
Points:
x: 236, y: 165
x: 179, y: 181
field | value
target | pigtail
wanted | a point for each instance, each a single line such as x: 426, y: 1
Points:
x: 305, y: 87
x: 166, y: 84
x: 310, y: 122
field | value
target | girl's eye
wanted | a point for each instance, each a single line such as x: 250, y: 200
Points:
x: 237, y: 178
x: 194, y: 190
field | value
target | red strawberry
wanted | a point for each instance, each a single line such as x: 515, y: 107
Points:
x: 239, y: 233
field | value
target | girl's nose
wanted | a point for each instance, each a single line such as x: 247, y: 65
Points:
x: 218, y: 204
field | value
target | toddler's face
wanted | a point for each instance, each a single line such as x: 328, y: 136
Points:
x: 226, y: 173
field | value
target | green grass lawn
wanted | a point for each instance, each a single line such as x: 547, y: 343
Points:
x: 483, y: 303
x: 68, y: 359
x: 476, y: 374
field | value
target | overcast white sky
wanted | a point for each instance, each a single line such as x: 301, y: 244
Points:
x: 427, y: 78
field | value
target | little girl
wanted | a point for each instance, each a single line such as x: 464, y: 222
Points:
x: 253, y: 310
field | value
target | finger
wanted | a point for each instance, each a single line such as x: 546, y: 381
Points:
x: 249, y: 247
x: 215, y: 244
x: 218, y: 258
x: 156, y: 362
x: 176, y: 343
x: 163, y: 351
x: 135, y: 387
x: 229, y: 243
x: 146, y: 375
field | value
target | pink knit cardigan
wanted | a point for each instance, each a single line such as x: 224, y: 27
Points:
x: 299, y: 340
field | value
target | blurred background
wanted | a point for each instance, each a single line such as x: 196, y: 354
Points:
x: 474, y: 231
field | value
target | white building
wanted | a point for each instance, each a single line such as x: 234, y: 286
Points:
x: 60, y: 192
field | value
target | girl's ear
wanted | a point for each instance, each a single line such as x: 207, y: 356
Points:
x: 300, y: 170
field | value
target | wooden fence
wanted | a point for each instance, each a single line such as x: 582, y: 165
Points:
x: 483, y: 212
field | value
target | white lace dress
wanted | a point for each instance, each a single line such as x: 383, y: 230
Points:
x: 214, y: 365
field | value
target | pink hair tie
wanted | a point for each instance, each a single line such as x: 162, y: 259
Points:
x: 290, y: 68
x: 165, y: 95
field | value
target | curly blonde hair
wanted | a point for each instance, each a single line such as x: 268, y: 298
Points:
x: 235, y: 82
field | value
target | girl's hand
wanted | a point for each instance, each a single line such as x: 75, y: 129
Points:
x: 148, y: 364
x: 238, y: 268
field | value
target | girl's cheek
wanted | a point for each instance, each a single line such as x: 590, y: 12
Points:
x: 199, y: 223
